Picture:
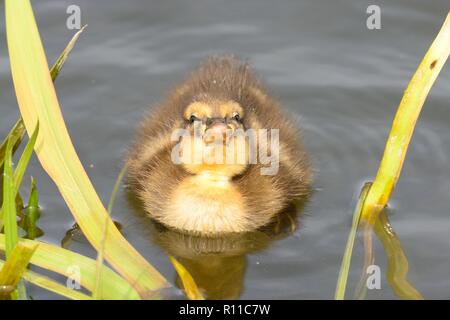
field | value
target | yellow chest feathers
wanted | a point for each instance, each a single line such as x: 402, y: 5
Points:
x: 207, y: 202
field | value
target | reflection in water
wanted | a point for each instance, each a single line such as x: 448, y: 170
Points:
x: 218, y: 264
x: 397, y: 269
x: 74, y: 234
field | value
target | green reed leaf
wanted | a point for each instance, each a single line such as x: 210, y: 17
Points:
x: 9, y: 203
x: 16, y: 264
x: 346, y: 260
x: 63, y: 261
x: 51, y: 285
x: 15, y: 135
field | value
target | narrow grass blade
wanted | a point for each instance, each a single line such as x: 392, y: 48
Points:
x: 54, y: 71
x: 33, y: 201
x: 369, y: 259
x: 21, y: 167
x: 51, y: 285
x: 404, y: 123
x: 9, y: 213
x: 59, y: 260
x: 346, y: 260
x: 16, y: 264
x: 38, y: 102
x: 16, y: 135
x: 97, y: 292
x: 190, y: 287
x: 116, y: 187
x: 32, y: 213
x: 9, y: 202
x: 24, y: 160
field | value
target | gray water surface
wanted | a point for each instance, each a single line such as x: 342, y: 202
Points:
x: 322, y: 63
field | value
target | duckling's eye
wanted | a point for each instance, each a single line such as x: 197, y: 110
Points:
x: 193, y: 118
x: 236, y: 116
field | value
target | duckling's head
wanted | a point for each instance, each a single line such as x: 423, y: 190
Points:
x: 217, y: 105
x: 216, y: 143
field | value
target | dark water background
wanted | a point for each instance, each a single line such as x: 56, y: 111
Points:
x: 323, y: 64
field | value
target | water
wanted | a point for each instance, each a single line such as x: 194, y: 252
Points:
x: 323, y: 64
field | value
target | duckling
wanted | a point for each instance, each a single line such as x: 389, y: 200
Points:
x: 213, y: 108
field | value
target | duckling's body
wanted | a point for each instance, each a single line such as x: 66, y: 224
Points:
x: 221, y: 97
